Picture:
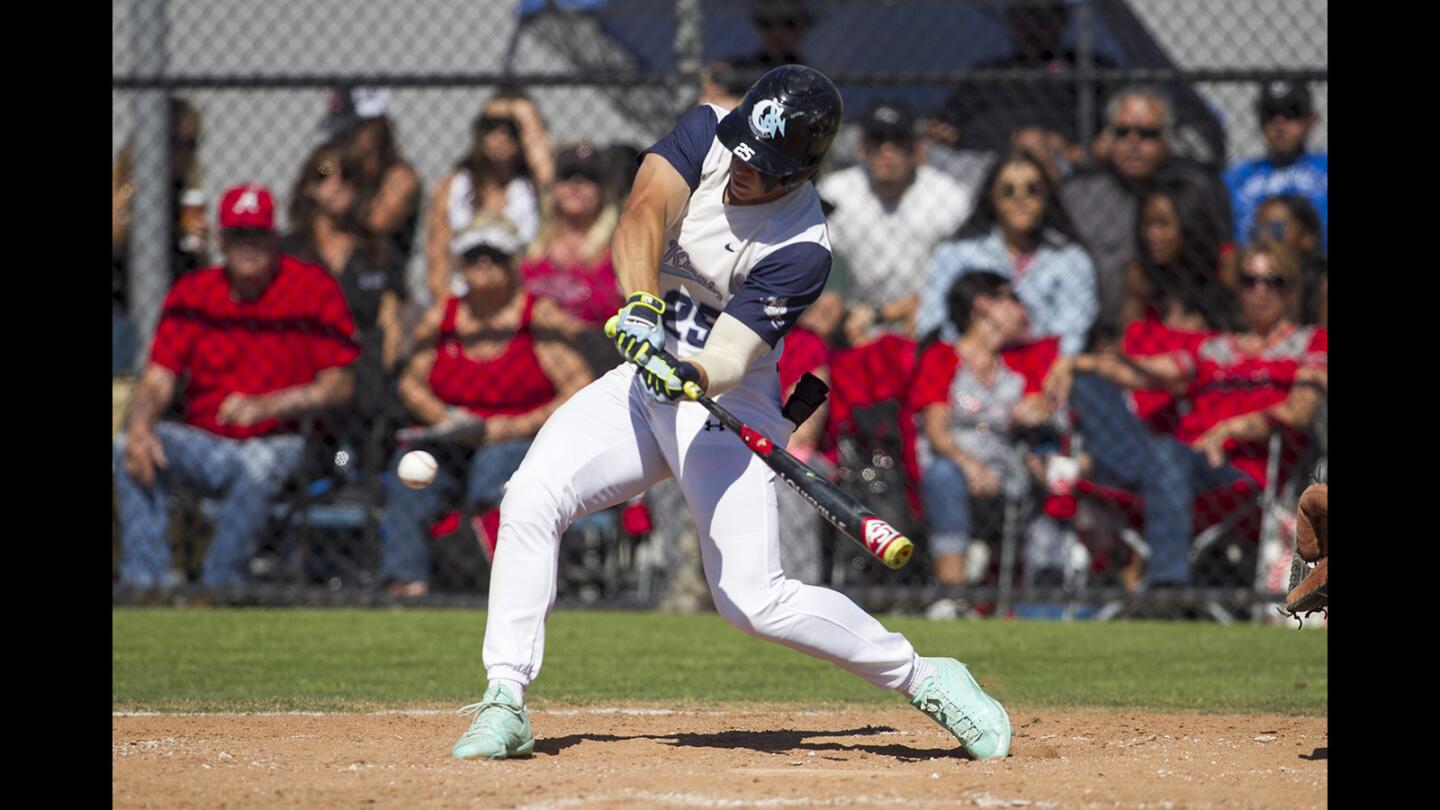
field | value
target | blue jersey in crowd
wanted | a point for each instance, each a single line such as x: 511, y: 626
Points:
x: 1254, y: 181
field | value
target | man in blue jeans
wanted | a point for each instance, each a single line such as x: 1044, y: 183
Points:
x: 404, y: 549
x: 260, y: 340
x: 1166, y: 473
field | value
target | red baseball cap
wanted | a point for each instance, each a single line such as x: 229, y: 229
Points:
x: 248, y: 206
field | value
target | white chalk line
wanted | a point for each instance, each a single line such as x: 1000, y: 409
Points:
x: 698, y: 800
x: 641, y: 712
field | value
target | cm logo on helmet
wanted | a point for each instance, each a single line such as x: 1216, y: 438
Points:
x: 767, y: 118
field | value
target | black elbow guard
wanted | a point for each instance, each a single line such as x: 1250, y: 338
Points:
x: 808, y: 395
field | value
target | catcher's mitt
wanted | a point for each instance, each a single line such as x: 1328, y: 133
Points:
x: 1310, y: 585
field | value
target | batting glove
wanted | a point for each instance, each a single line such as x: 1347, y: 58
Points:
x: 664, y: 377
x: 636, y: 327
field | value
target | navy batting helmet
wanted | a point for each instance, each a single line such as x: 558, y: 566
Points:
x: 785, y: 124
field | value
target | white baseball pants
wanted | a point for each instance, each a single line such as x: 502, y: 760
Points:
x: 611, y: 442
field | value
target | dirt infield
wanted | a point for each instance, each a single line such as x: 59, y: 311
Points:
x: 613, y: 758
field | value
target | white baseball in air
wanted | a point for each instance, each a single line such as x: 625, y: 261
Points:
x: 417, y: 469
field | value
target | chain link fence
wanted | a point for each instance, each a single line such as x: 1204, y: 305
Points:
x: 1074, y: 331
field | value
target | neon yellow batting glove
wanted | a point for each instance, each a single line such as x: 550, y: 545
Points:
x: 636, y: 328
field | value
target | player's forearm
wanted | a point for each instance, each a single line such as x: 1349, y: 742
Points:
x: 637, y: 246
x: 730, y: 350
x: 656, y: 202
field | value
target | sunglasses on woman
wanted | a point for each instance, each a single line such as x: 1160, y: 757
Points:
x: 787, y: 23
x: 1145, y: 133
x: 1275, y: 230
x: 1009, y: 190
x: 485, y: 124
x: 1250, y: 282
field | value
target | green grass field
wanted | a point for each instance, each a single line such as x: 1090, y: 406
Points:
x: 363, y: 660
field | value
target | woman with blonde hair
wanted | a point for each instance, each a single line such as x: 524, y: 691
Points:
x: 569, y: 260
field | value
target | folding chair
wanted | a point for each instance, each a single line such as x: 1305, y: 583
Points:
x: 1242, y: 510
x: 874, y: 438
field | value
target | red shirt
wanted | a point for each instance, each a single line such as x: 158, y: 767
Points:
x: 940, y: 363
x: 298, y: 327
x: 1147, y: 338
x: 589, y: 292
x: 870, y: 374
x: 509, y: 384
x: 804, y: 352
x: 1227, y: 382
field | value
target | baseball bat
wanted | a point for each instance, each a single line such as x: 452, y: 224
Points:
x: 838, y: 508
x: 841, y: 510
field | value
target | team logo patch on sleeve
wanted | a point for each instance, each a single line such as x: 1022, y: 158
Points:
x: 776, y: 308
x: 767, y: 118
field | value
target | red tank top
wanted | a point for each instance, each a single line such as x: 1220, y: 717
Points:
x: 508, y: 384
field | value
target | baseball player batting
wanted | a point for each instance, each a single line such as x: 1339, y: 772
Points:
x: 721, y: 246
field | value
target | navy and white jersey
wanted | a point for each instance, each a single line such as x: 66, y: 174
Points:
x: 762, y: 264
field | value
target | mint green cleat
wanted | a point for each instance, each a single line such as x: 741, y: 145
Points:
x: 501, y: 728
x: 953, y: 699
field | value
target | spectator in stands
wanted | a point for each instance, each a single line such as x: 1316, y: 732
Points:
x: 1176, y: 277
x: 1287, y: 115
x: 261, y: 340
x: 190, y: 248
x: 1104, y: 202
x: 781, y: 26
x: 389, y: 188
x: 1020, y: 231
x: 1041, y: 118
x: 1240, y: 387
x: 498, y: 354
x: 622, y: 160
x: 327, y: 229
x: 889, y: 214
x: 868, y: 426
x: 509, y: 164
x: 569, y: 261
x: 972, y: 396
x: 1291, y: 220
x: 720, y: 84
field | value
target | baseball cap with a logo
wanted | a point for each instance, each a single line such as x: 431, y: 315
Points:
x: 580, y: 159
x: 889, y: 121
x: 1284, y: 98
x: 247, y: 207
x: 349, y: 106
x: 497, y: 236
